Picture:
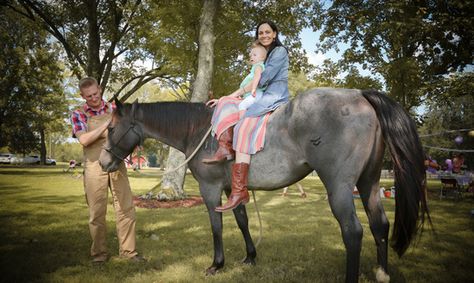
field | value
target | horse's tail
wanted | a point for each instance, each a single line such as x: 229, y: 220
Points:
x: 401, y: 137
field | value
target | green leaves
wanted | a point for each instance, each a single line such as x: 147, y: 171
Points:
x: 407, y: 43
x: 33, y: 99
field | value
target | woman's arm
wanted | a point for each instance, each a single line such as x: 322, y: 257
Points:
x: 213, y: 102
x: 278, y: 58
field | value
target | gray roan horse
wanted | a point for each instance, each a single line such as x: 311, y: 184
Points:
x: 340, y: 133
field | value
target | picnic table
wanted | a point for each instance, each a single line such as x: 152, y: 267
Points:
x: 455, y: 183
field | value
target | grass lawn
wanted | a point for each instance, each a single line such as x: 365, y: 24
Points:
x: 44, y: 237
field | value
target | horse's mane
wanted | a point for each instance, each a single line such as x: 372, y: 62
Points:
x: 176, y: 119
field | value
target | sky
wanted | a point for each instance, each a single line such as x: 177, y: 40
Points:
x: 309, y: 38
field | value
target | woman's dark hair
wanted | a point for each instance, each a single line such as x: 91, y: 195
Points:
x: 276, y: 42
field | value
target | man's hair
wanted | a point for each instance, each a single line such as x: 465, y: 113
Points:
x: 87, y: 82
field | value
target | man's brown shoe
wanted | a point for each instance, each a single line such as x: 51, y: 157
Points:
x: 137, y: 258
x: 100, y: 259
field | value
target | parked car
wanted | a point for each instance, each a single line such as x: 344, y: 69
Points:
x: 5, y: 158
x: 50, y: 161
x: 35, y: 159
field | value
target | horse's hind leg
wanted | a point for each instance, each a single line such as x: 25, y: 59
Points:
x: 368, y: 186
x: 342, y: 206
x: 240, y: 214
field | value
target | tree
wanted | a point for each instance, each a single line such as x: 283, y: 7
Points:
x: 97, y: 37
x: 33, y: 102
x: 299, y: 82
x: 330, y: 74
x: 183, y: 30
x: 176, y: 37
x: 355, y: 80
x: 408, y: 43
x: 67, y: 151
x: 449, y: 108
x: 174, y: 181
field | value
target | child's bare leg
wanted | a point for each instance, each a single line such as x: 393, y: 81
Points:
x: 300, y: 188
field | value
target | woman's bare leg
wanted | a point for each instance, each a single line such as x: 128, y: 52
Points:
x: 242, y: 157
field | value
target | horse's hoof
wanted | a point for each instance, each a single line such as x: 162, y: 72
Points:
x: 212, y: 271
x: 249, y: 261
x: 381, y: 276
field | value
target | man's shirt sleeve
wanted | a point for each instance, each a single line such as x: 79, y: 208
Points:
x: 79, y: 123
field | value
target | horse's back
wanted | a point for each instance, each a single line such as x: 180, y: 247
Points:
x: 314, y: 131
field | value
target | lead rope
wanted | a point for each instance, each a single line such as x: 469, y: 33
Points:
x: 180, y: 165
x: 260, y: 230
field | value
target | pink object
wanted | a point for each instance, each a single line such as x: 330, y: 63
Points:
x: 449, y: 163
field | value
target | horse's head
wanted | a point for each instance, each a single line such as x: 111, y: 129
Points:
x: 124, y: 134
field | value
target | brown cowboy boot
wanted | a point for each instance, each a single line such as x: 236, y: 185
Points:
x: 239, y: 194
x: 225, y: 150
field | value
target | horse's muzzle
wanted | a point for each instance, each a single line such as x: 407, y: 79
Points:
x: 107, y: 163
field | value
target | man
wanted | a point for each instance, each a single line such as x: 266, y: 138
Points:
x: 89, y: 123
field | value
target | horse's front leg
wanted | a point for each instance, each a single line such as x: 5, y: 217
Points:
x: 212, y: 199
x: 240, y: 214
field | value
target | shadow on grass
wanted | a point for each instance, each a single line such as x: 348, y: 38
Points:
x: 45, y: 238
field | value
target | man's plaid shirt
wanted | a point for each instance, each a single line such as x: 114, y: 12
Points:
x: 79, y: 117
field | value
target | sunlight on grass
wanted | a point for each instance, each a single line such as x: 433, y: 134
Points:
x: 158, y: 225
x: 45, y: 237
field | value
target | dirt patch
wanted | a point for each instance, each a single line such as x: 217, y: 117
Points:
x: 154, y: 203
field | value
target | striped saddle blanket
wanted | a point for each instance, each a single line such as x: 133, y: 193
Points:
x: 249, y: 132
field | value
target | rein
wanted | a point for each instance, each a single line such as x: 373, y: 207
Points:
x: 132, y: 127
x: 182, y: 164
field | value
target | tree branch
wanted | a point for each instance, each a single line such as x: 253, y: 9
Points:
x: 142, y: 79
x: 52, y: 29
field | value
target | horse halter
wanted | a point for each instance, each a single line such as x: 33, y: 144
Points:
x: 122, y: 155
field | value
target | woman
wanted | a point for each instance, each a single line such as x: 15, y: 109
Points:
x: 275, y: 82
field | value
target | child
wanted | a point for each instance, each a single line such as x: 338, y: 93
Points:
x: 258, y: 53
x: 300, y: 188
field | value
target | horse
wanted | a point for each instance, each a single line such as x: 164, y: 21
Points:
x: 339, y: 133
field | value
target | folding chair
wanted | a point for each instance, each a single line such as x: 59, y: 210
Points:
x: 450, y: 185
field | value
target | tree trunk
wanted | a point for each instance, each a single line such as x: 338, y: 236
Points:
x: 93, y: 44
x: 161, y: 160
x: 201, y: 88
x: 203, y: 81
x: 43, y: 147
x: 172, y: 184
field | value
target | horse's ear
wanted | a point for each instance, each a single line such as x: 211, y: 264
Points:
x: 119, y: 105
x: 134, y: 108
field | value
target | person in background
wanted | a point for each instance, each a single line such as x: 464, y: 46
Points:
x: 458, y: 162
x: 300, y: 188
x: 89, y: 124
x: 431, y: 165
